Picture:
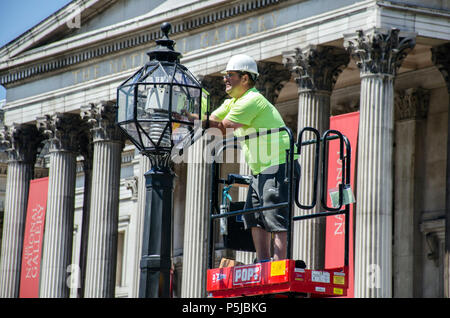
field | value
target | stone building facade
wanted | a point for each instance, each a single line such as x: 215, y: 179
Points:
x: 317, y: 58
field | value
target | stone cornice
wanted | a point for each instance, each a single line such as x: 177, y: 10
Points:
x: 120, y: 37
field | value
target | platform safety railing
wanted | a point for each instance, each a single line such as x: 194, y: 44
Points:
x: 320, y: 143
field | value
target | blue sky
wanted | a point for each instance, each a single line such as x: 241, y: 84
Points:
x: 17, y: 16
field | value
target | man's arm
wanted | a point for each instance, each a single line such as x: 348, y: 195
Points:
x: 223, y: 125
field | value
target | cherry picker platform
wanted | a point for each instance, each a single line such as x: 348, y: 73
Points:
x: 288, y: 277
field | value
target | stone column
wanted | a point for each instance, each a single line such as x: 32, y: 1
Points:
x: 411, y: 108
x: 378, y: 54
x: 62, y: 130
x: 441, y: 58
x: 87, y: 151
x: 197, y: 204
x: 20, y: 143
x: 144, y: 166
x: 196, y: 222
x: 316, y: 69
x: 104, y: 210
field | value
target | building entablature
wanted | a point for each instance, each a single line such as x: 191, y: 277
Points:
x: 121, y: 36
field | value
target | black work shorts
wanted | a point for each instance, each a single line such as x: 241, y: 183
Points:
x: 268, y: 188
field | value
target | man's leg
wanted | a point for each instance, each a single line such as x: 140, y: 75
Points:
x: 280, y: 246
x: 261, y: 239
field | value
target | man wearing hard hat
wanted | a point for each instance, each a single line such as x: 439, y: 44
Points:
x: 246, y: 112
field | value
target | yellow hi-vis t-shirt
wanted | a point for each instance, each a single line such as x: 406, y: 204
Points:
x: 256, y: 113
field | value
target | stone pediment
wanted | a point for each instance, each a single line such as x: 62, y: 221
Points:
x: 78, y: 20
x: 61, y: 24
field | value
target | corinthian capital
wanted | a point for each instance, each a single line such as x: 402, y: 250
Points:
x: 316, y: 67
x: 379, y: 51
x: 272, y: 77
x: 20, y: 141
x: 101, y: 118
x: 412, y: 103
x: 62, y: 130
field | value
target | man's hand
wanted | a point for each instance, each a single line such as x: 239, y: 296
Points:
x: 230, y: 124
x: 225, y: 126
x: 204, y: 122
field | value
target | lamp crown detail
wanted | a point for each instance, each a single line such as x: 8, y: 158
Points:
x: 165, y: 47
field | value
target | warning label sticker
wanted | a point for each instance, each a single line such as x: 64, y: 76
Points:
x: 338, y: 279
x: 320, y: 277
x: 277, y: 268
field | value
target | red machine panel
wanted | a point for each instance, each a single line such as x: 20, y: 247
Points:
x: 276, y: 277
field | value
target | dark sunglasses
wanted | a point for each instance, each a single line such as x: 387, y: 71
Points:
x: 230, y: 75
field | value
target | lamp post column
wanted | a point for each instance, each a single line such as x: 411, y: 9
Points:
x: 156, y: 258
x: 155, y: 112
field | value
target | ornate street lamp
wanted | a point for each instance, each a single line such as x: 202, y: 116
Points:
x: 157, y: 107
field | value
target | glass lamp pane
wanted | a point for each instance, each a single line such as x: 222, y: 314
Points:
x: 152, y: 100
x: 135, y: 77
x: 181, y: 135
x: 152, y: 132
x: 183, y: 77
x: 195, y: 101
x: 180, y: 102
x: 205, y: 103
x: 158, y: 74
x: 131, y: 129
x: 158, y: 98
x: 125, y: 103
x: 185, y: 103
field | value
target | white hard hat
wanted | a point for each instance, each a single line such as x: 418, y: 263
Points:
x: 243, y: 63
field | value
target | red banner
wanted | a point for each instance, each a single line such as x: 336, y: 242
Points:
x: 33, y: 237
x: 348, y: 125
